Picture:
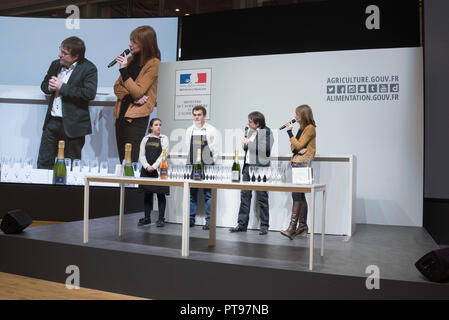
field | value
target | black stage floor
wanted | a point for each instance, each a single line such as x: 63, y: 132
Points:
x: 147, y: 262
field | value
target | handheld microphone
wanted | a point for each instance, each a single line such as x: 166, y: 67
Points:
x: 246, y: 132
x: 113, y: 62
x: 283, y: 127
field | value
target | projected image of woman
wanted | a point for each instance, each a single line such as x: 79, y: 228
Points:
x: 136, y: 89
x: 303, y: 146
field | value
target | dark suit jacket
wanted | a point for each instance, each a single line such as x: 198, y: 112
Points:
x: 75, y: 96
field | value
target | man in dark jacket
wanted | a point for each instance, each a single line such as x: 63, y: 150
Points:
x: 72, y: 83
x: 258, y: 146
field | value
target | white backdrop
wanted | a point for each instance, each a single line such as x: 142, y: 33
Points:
x: 386, y: 136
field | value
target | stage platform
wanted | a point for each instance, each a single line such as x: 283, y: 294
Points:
x: 147, y: 262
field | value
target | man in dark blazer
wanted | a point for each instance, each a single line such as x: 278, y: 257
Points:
x: 72, y: 83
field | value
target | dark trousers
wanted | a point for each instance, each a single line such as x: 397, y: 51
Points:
x: 245, y: 204
x: 130, y: 132
x: 148, y: 204
x: 48, y: 150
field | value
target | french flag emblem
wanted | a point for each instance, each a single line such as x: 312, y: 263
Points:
x: 202, y: 77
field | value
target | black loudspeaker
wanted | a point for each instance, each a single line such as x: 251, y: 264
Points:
x: 15, y: 221
x: 435, y: 265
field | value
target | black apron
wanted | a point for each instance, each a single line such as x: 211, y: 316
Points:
x: 200, y: 142
x: 153, y: 150
x: 196, y: 142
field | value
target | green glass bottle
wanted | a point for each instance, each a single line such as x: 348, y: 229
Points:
x: 127, y: 166
x: 59, y: 170
x: 198, y: 169
x: 236, y: 168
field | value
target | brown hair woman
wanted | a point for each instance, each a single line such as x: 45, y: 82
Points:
x: 136, y: 89
x: 303, y: 146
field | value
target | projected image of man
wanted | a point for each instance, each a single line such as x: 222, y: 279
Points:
x: 71, y: 81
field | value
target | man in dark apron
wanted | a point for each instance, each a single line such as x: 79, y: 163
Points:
x: 201, y: 136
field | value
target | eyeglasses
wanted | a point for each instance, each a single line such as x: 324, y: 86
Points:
x: 63, y: 52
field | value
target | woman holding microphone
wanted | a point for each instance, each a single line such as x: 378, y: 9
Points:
x: 136, y: 89
x: 303, y: 146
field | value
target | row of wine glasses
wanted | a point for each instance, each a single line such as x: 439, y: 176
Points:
x: 78, y: 168
x: 16, y: 169
x: 269, y: 174
x: 223, y: 173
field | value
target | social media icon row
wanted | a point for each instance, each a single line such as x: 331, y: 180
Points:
x: 363, y: 88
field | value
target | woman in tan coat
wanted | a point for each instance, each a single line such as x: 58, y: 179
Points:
x: 136, y: 90
x: 303, y: 146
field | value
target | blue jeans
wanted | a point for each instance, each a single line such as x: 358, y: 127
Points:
x: 194, y: 202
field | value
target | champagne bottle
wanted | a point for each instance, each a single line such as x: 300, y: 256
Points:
x: 164, y: 166
x: 59, y: 170
x: 127, y: 166
x: 236, y: 168
x: 198, y: 170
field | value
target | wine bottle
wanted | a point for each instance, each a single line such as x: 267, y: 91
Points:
x: 198, y: 170
x: 163, y: 174
x: 59, y: 170
x: 127, y: 166
x: 236, y: 168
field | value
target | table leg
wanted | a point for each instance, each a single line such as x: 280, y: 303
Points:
x: 323, y: 222
x: 122, y: 209
x: 213, y: 218
x: 185, y: 220
x: 86, y: 211
x: 312, y: 227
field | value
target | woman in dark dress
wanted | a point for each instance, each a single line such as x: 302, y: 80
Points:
x: 136, y: 90
x: 150, y: 156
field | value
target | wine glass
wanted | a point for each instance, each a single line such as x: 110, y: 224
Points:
x: 175, y: 172
x: 85, y: 168
x: 222, y: 173
x: 207, y: 172
x: 189, y: 171
x: 68, y: 164
x: 94, y: 167
x: 17, y: 168
x: 228, y: 173
x: 213, y: 172
x: 136, y: 168
x: 76, y: 170
x: 28, y: 166
x: 104, y: 168
x: 6, y: 168
x: 251, y: 172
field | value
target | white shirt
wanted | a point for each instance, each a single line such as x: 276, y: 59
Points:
x: 211, y: 134
x: 64, y: 75
x: 142, y: 157
x: 251, y: 138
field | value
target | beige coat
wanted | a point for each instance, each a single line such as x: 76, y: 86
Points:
x: 145, y: 85
x: 308, y: 141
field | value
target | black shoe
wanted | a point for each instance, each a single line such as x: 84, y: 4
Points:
x: 263, y: 232
x: 144, y: 222
x: 160, y: 223
x: 192, y: 223
x: 206, y: 226
x: 239, y: 228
